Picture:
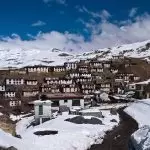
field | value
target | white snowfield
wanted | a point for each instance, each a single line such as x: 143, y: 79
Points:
x: 70, y: 136
x: 130, y: 50
x: 140, y: 111
x: 20, y: 56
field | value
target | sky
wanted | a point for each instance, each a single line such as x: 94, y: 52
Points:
x: 81, y: 25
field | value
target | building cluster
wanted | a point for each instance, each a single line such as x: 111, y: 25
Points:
x: 18, y: 87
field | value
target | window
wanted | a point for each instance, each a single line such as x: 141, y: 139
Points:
x: 132, y: 87
x: 55, y: 103
x: 65, y: 101
x: 75, y: 102
x: 40, y: 109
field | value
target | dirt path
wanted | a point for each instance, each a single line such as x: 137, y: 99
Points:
x: 118, y: 139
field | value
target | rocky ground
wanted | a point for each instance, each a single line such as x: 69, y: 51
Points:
x: 118, y: 139
x: 10, y: 148
x: 7, y: 124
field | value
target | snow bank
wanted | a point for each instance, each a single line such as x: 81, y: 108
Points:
x: 23, y: 124
x: 109, y: 106
x: 140, y: 111
x: 7, y: 140
x: 18, y: 117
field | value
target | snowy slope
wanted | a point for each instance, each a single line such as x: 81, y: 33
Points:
x: 7, y: 140
x: 136, y: 50
x: 20, y: 56
x: 140, y: 112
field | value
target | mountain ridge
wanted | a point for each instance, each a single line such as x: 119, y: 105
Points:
x: 21, y: 57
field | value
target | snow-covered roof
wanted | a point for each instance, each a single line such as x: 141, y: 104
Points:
x: 90, y: 110
x: 60, y: 96
x: 143, y: 82
x: 39, y: 102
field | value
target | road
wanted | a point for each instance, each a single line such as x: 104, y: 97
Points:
x: 118, y: 138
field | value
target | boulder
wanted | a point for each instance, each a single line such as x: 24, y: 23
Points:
x: 82, y: 120
x: 11, y: 148
x: 113, y: 111
x: 113, y: 120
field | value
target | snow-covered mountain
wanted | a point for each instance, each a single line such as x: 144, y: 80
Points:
x: 136, y: 50
x: 20, y: 57
x: 29, y: 57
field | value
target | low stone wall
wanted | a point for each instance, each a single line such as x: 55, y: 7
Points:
x: 94, y: 114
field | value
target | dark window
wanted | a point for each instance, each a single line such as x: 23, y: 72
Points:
x: 65, y: 101
x: 75, y: 102
x: 139, y: 87
x: 41, y: 110
x: 55, y: 103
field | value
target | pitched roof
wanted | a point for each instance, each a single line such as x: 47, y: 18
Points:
x: 64, y: 96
